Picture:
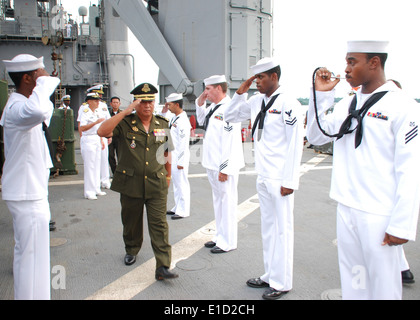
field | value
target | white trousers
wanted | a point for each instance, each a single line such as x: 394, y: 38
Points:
x: 277, y: 232
x: 368, y: 270
x: 31, y: 263
x: 182, y: 191
x: 105, y: 165
x: 90, y: 147
x: 225, y: 203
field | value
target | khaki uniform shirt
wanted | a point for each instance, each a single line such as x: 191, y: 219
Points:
x: 141, y: 169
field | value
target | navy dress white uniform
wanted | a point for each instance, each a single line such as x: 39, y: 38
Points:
x: 91, y: 148
x: 25, y: 180
x: 376, y: 185
x: 180, y: 132
x: 105, y: 174
x: 222, y: 153
x: 103, y: 108
x: 278, y: 155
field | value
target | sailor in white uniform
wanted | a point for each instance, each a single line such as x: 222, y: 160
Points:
x: 90, y: 146
x: 376, y: 171
x: 165, y: 112
x: 223, y: 158
x: 65, y: 102
x: 103, y: 108
x: 180, y: 131
x: 26, y: 171
x: 278, y: 136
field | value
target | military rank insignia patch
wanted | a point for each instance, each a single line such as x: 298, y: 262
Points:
x: 291, y: 121
x: 412, y: 134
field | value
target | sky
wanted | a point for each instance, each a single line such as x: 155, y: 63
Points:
x: 308, y: 34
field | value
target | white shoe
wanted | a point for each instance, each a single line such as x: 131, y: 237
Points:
x: 106, y: 185
x: 91, y: 198
x: 101, y: 193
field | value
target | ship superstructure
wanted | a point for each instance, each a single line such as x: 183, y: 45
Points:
x: 76, y: 53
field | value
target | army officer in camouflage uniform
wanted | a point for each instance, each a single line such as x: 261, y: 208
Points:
x: 142, y: 176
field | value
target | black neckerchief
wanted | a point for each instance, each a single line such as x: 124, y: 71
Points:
x: 259, y: 120
x: 358, y: 115
x: 208, y: 116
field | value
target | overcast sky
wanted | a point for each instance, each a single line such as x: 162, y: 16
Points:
x: 308, y: 34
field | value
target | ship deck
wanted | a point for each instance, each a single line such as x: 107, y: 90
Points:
x: 87, y: 250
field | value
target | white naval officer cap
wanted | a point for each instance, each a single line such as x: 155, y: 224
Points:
x: 174, y: 97
x: 367, y: 46
x: 92, y: 96
x: 98, y: 89
x: 24, y: 62
x: 67, y: 97
x: 264, y: 64
x: 216, y: 79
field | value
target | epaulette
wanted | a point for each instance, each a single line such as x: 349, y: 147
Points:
x: 162, y: 117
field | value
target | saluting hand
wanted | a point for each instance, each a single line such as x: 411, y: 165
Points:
x: 40, y: 73
x: 202, y: 98
x: 131, y: 107
x: 165, y: 108
x: 244, y: 87
x: 323, y: 80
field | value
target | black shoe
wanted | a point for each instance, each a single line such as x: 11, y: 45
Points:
x: 176, y: 217
x: 407, y: 277
x: 129, y: 259
x: 216, y: 249
x: 163, y: 273
x: 273, y: 294
x: 170, y: 213
x: 210, y: 244
x: 257, y: 283
x: 52, y: 225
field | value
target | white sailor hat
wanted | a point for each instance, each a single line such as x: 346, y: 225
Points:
x: 24, y: 62
x: 174, y: 97
x: 66, y: 97
x: 98, y: 89
x: 216, y: 79
x: 368, y: 46
x: 264, y: 64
